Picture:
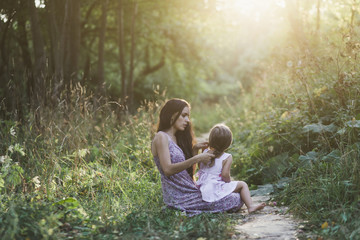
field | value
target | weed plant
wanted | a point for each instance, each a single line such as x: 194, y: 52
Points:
x: 84, y: 169
x: 302, y: 122
x: 86, y: 172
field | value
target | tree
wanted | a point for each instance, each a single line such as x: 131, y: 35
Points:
x: 39, y: 70
x: 295, y: 22
x: 132, y: 56
x: 101, y: 46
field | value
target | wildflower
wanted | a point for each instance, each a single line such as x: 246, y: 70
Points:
x: 324, y: 225
x: 12, y: 131
x: 272, y: 204
x: 82, y: 152
x: 285, y: 115
x: 319, y: 91
x: 82, y: 172
x: 11, y: 148
x: 19, y: 149
x: 271, y: 148
x: 289, y: 64
x: 2, y: 159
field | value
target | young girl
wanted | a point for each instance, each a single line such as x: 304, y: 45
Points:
x: 214, y: 178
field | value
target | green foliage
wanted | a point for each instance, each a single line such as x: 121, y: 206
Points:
x: 83, y: 168
x: 328, y: 190
x: 90, y: 174
x: 170, y: 224
x: 304, y: 126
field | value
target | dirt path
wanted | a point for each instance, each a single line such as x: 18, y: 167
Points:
x: 272, y: 222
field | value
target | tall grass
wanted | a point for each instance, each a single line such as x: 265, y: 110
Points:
x: 301, y: 122
x: 87, y: 172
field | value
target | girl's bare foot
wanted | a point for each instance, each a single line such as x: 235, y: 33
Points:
x: 255, y: 208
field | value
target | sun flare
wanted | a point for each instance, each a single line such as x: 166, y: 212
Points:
x: 259, y: 15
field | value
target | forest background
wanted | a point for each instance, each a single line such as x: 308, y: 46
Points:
x: 81, y: 84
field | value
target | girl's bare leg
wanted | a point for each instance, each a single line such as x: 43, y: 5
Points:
x: 244, y: 191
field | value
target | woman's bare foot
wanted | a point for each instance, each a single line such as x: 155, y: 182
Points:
x: 255, y: 208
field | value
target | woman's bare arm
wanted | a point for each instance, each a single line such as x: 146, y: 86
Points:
x: 161, y: 149
x: 198, y: 146
x: 225, y: 172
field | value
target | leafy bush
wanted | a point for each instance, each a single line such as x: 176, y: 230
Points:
x: 303, y: 123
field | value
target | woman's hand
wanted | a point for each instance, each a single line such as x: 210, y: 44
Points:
x: 198, y: 146
x: 204, y: 158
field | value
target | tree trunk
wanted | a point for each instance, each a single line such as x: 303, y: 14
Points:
x: 122, y: 50
x: 148, y: 69
x: 40, y: 57
x: 56, y: 46
x: 23, y: 42
x: 318, y: 17
x: 25, y: 53
x: 295, y: 22
x: 73, y: 42
x: 132, y: 56
x: 9, y: 99
x: 102, y: 32
x: 65, y: 41
x: 4, y: 61
x: 353, y: 14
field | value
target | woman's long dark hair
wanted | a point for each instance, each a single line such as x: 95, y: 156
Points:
x: 185, y: 139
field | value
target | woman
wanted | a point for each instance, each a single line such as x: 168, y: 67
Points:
x: 174, y: 152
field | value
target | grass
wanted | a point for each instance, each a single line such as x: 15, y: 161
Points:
x: 305, y: 125
x: 87, y: 173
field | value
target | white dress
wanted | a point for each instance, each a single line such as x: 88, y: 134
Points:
x: 211, y: 185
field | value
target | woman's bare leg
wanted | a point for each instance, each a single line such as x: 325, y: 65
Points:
x: 244, y: 191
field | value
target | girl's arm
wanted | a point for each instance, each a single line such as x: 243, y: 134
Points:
x: 161, y: 145
x: 225, y: 172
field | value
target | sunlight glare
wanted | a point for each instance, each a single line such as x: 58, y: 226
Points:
x: 3, y: 18
x: 40, y: 3
x: 251, y: 13
x: 281, y: 3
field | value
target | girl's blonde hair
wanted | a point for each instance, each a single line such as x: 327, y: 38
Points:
x: 220, y: 139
